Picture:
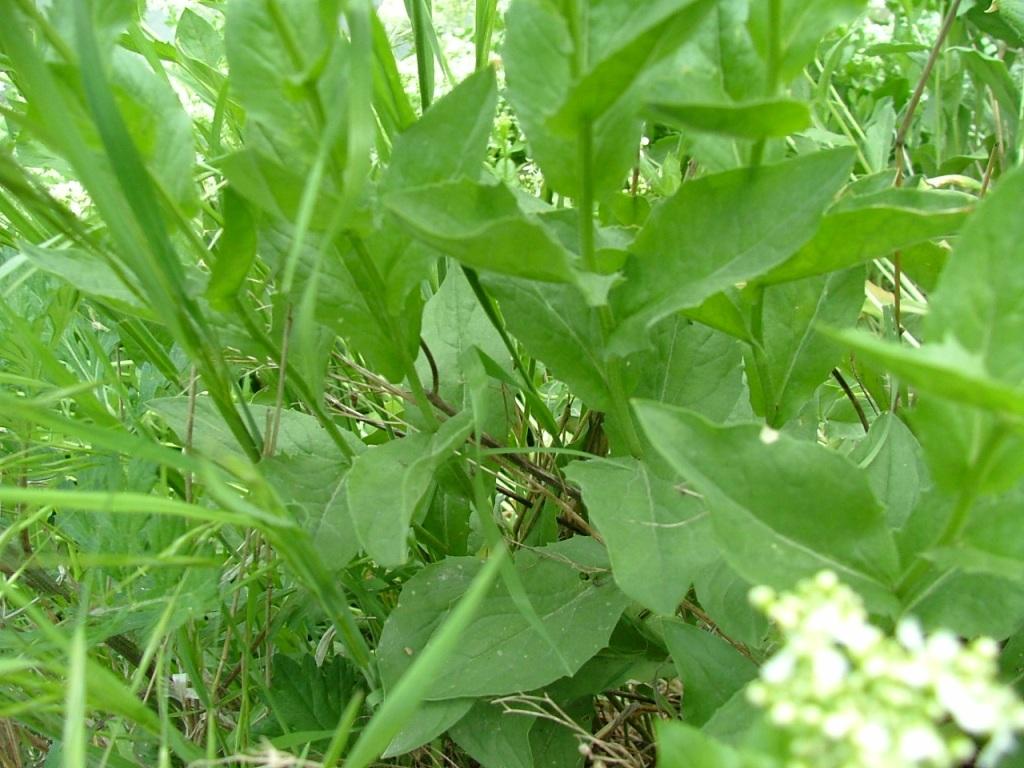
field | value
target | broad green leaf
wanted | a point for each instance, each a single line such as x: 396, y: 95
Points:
x: 307, y: 697
x: 722, y: 69
x: 992, y: 542
x: 426, y: 152
x: 410, y: 691
x: 782, y: 509
x: 723, y: 594
x: 802, y: 25
x: 272, y: 186
x: 692, y: 366
x: 721, y: 230
x: 499, y: 652
x: 86, y: 272
x: 1005, y: 25
x: 538, y: 58
x: 944, y: 369
x: 555, y: 325
x: 965, y: 445
x: 268, y: 53
x: 298, y: 433
x: 992, y: 72
x: 351, y: 304
x: 312, y: 486
x: 980, y: 297
x: 197, y: 39
x: 431, y: 720
x: 159, y: 126
x: 891, y: 456
x: 865, y: 227
x: 454, y: 324
x: 483, y: 227
x: 949, y: 600
x: 723, y: 313
x: 792, y: 359
x: 623, y: 42
x: 773, y: 118
x: 657, y: 538
x: 555, y: 746
x: 683, y: 746
x: 109, y: 19
x: 495, y: 738
x: 712, y: 671
x: 388, y: 482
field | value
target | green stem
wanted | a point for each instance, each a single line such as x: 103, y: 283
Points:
x: 614, y: 373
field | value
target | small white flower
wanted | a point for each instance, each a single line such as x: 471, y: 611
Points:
x: 873, y: 738
x: 828, y: 670
x: 920, y: 744
x: 779, y: 668
x: 909, y: 633
x: 783, y: 713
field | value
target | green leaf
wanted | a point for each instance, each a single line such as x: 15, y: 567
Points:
x: 792, y: 358
x: 298, y: 433
x: 773, y: 118
x: 538, y: 58
x: 657, y: 538
x: 943, y: 369
x: 723, y: 594
x: 891, y: 456
x: 159, y: 126
x: 495, y: 738
x: 692, y: 366
x: 980, y: 297
x: 683, y: 746
x: 236, y: 250
x: 712, y: 671
x: 872, y: 226
x: 950, y: 601
x: 267, y: 54
x: 1006, y: 26
x: 388, y: 482
x: 721, y: 230
x: 625, y: 41
x: 765, y: 491
x: 312, y: 486
x: 454, y: 323
x: 426, y: 154
x: 353, y: 305
x: 802, y: 25
x: 555, y: 325
x: 483, y: 227
x: 500, y: 652
x: 86, y: 272
x: 197, y: 39
x: 432, y: 719
x: 307, y: 697
x: 410, y: 691
x: 272, y: 186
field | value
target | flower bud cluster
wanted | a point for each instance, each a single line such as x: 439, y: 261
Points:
x: 848, y: 696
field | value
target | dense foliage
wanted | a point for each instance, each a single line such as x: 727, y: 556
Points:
x: 432, y: 386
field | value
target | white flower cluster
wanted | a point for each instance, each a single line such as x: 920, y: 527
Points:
x: 67, y: 191
x: 848, y: 696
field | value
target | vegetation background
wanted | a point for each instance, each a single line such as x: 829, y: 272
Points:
x: 427, y: 383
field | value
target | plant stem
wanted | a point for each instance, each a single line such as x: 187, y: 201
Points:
x: 613, y: 369
x: 900, y: 147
